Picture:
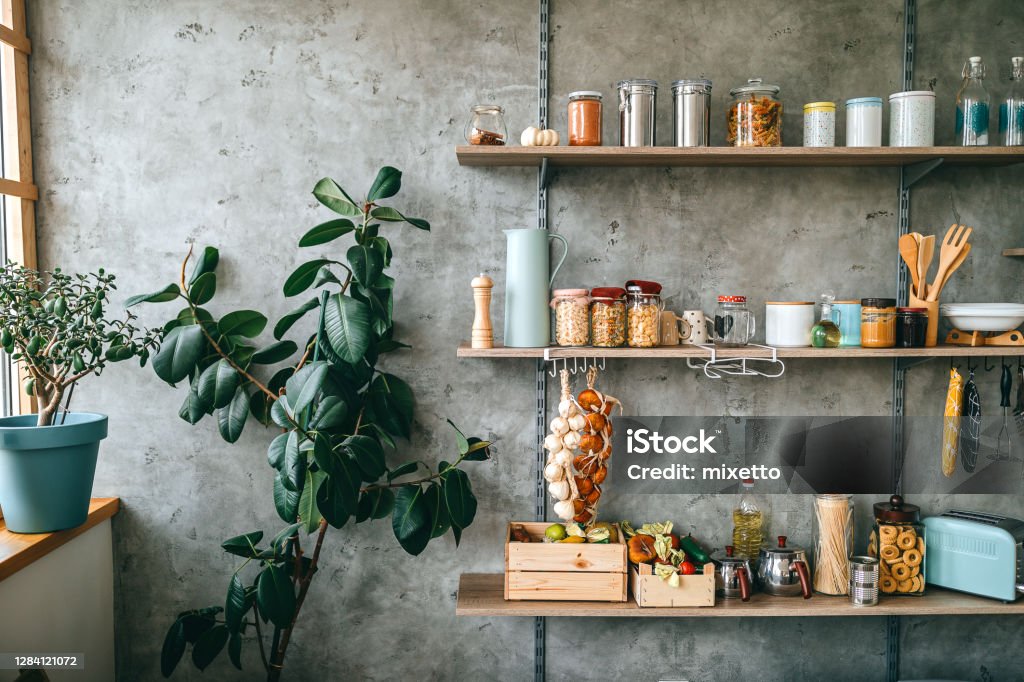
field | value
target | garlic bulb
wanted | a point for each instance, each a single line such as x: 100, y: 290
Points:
x: 559, y: 425
x: 571, y: 440
x: 565, y: 408
x: 553, y: 472
x: 562, y: 458
x: 552, y: 442
x: 564, y: 510
x: 577, y: 422
x: 559, y: 490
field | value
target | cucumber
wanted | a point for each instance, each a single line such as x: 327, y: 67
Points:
x: 693, y: 549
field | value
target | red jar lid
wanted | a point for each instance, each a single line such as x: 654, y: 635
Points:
x: 607, y: 292
x: 644, y: 286
x: 732, y: 299
x: 922, y: 311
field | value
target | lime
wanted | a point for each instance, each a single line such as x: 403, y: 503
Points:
x: 555, y: 532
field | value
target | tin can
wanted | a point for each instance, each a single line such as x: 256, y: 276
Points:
x: 912, y: 119
x: 820, y: 124
x: 691, y: 112
x: 863, y: 581
x: 637, y: 104
x: 864, y: 122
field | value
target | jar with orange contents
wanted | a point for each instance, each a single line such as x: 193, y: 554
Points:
x: 585, y: 118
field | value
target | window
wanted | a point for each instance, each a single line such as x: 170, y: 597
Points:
x: 18, y: 192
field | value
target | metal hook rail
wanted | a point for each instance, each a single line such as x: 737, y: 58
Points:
x: 576, y: 368
x: 716, y: 368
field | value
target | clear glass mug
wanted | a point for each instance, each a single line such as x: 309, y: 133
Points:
x: 734, y: 324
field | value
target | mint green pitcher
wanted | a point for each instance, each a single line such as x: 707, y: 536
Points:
x: 528, y: 287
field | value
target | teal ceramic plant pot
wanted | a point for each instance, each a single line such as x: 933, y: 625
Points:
x: 46, y: 472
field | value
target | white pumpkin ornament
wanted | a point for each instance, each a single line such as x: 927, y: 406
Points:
x: 535, y: 137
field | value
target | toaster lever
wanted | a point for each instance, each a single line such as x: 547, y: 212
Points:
x: 1020, y: 589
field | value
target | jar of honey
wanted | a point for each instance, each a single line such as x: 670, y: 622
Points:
x: 878, y: 322
x: 585, y: 118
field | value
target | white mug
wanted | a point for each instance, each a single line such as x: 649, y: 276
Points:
x: 699, y: 331
x: 787, y: 324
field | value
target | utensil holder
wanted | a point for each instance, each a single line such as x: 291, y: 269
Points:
x: 931, y: 336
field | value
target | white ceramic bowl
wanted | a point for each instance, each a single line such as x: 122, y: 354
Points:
x: 983, y: 317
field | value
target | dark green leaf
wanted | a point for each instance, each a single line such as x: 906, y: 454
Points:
x: 407, y: 468
x: 294, y: 470
x: 303, y: 277
x: 286, y: 322
x: 275, y: 596
x: 440, y: 522
x: 327, y: 232
x: 367, y: 263
x: 411, y: 519
x: 235, y: 650
x: 280, y: 543
x: 345, y: 481
x: 304, y: 385
x: 308, y: 511
x: 334, y: 197
x: 325, y: 276
x: 459, y: 496
x: 275, y: 352
x: 392, y: 403
x: 243, y: 545
x: 209, y: 646
x: 460, y: 439
x: 285, y: 501
x: 234, y: 605
x: 323, y: 454
x: 203, y: 289
x: 386, y: 184
x: 247, y: 323
x: 180, y: 351
x: 280, y: 413
x: 275, y: 453
x: 205, y: 263
x: 375, y: 504
x: 390, y: 215
x: 478, y: 450
x: 369, y: 456
x: 388, y: 345
x: 198, y: 621
x: 193, y: 409
x: 168, y: 293
x: 331, y: 504
x: 231, y: 419
x: 217, y: 384
x: 330, y: 413
x: 173, y: 649
x: 457, y: 533
x: 347, y: 325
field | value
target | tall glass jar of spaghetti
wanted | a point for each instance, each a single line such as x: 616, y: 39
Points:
x: 755, y: 115
x: 585, y: 118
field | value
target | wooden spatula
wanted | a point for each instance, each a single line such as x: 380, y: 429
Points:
x: 949, y: 273
x: 926, y: 249
x: 953, y: 244
x: 909, y: 251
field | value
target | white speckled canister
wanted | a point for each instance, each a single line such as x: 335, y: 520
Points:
x: 864, y: 122
x: 912, y: 119
x: 820, y: 124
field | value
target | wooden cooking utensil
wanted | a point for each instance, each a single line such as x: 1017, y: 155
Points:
x: 909, y: 249
x: 949, y: 273
x: 953, y: 245
x: 926, y: 249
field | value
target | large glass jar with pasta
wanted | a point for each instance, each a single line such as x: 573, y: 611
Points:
x: 897, y: 539
x: 833, y: 543
x: 608, y: 317
x: 643, y: 313
x: 572, y: 316
x: 755, y: 115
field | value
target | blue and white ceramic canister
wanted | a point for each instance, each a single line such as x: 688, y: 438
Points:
x: 864, y: 122
x: 912, y: 119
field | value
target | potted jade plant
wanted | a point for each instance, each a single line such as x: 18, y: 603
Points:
x: 54, y: 326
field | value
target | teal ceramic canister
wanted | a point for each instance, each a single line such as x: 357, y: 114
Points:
x: 849, y: 322
x: 528, y: 278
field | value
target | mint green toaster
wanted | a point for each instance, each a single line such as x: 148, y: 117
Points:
x: 975, y: 552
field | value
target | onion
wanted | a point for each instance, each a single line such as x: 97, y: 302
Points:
x: 559, y: 425
x: 553, y: 472
x: 559, y: 490
x: 552, y: 442
x: 564, y: 510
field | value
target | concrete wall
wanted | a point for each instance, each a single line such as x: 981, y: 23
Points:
x: 162, y: 123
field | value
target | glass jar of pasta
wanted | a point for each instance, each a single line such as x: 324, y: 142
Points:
x: 897, y: 539
x: 608, y: 317
x: 755, y: 115
x: 643, y: 313
x: 572, y: 312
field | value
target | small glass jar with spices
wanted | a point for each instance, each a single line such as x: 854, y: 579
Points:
x: 897, y: 540
x: 585, y: 118
x: 608, y: 317
x: 878, y: 322
x: 487, y: 125
x: 911, y: 327
x: 572, y: 316
x: 755, y: 115
x: 643, y: 313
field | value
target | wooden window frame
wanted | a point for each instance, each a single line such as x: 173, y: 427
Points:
x: 17, y: 184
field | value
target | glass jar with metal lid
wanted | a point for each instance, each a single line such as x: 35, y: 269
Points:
x: 897, y: 540
x: 643, y: 313
x: 637, y: 100
x: 878, y: 322
x: 608, y: 317
x: 691, y: 112
x: 487, y: 125
x: 755, y: 116
x: 572, y: 316
x: 585, y: 118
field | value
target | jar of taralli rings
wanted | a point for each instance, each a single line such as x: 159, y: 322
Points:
x: 608, y: 317
x: 572, y: 316
x: 643, y: 313
x: 897, y: 540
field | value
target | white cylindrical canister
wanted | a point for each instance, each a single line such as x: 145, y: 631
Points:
x: 912, y: 119
x: 787, y: 324
x: 864, y: 122
x: 820, y: 124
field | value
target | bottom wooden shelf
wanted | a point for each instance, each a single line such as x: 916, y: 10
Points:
x: 482, y: 594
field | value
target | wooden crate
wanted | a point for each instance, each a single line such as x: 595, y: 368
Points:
x: 651, y: 591
x: 552, y: 571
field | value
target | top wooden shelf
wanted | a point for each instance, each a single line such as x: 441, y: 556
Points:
x: 465, y: 350
x: 470, y: 155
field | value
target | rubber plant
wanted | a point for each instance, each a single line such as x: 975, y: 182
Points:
x: 337, y: 419
x: 56, y: 326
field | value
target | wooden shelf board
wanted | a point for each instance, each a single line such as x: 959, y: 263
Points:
x: 1013, y: 252
x: 482, y: 594
x: 19, y: 550
x: 465, y: 351
x: 470, y: 155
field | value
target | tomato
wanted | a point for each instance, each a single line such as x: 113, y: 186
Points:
x: 673, y: 540
x: 687, y: 568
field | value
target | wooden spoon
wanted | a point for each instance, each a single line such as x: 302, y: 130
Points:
x: 952, y: 246
x: 949, y: 273
x: 908, y: 250
x: 924, y: 260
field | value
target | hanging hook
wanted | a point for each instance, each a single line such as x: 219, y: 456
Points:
x: 987, y: 368
x: 575, y: 365
x: 970, y: 367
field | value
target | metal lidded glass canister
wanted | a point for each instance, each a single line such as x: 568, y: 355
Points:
x: 898, y: 541
x: 637, y: 100
x: 585, y: 118
x: 877, y: 322
x: 755, y: 115
x: 643, y: 313
x: 572, y: 316
x: 608, y: 317
x: 487, y: 125
x: 691, y: 112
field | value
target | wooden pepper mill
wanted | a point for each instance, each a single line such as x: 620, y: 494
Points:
x: 483, y: 333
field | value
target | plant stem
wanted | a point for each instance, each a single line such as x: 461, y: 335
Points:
x: 259, y: 635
